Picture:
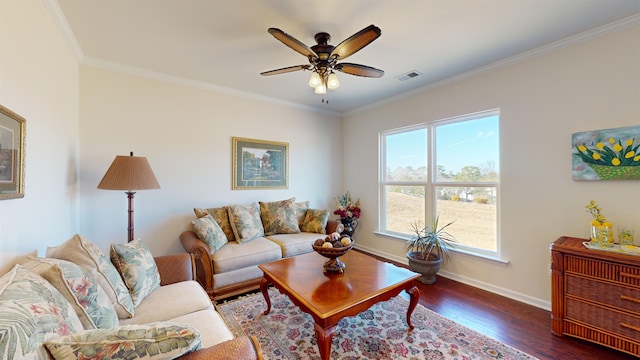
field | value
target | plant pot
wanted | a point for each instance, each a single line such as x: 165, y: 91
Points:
x: 427, y: 267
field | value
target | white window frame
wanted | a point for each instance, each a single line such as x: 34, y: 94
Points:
x: 431, y: 182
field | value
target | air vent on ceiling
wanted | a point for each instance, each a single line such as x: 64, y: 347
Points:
x: 410, y: 75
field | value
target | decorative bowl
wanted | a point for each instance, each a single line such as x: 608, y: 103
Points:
x: 333, y: 254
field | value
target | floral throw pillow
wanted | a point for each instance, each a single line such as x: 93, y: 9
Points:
x: 301, y: 209
x: 245, y: 221
x: 222, y: 218
x: 208, y: 230
x: 161, y: 340
x: 315, y: 221
x: 90, y: 302
x: 279, y: 217
x: 83, y: 252
x: 32, y: 311
x: 137, y: 268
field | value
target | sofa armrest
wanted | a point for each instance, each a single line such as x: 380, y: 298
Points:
x: 241, y: 348
x: 175, y: 268
x: 201, y: 256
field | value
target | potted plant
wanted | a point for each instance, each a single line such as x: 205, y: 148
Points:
x: 428, y: 248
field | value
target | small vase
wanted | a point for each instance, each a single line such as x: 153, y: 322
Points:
x: 601, y: 236
x: 350, y: 225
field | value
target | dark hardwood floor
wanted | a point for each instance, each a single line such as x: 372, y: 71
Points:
x: 519, y: 325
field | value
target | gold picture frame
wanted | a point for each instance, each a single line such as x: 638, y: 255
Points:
x: 12, y: 144
x: 259, y: 164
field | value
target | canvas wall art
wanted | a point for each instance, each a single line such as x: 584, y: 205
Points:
x: 609, y: 154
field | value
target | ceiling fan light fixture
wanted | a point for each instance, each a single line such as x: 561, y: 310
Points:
x: 321, y: 89
x: 323, y: 58
x: 332, y: 81
x: 315, y: 80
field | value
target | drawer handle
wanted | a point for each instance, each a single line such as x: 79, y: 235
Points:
x: 625, y: 274
x: 629, y: 298
x: 628, y: 326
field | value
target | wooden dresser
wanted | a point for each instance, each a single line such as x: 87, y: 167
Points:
x: 595, y: 295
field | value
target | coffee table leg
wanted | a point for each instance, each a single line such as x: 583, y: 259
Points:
x: 264, y: 288
x: 324, y: 337
x: 414, y: 295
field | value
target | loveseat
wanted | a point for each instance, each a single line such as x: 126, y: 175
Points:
x: 76, y: 302
x: 228, y: 243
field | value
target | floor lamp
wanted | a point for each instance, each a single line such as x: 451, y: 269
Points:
x: 129, y: 173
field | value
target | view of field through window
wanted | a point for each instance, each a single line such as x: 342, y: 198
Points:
x: 474, y: 224
x: 465, y: 168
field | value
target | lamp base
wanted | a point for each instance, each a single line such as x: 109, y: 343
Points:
x: 130, y: 211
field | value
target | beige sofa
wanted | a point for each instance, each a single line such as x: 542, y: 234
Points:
x: 233, y: 268
x: 177, y: 300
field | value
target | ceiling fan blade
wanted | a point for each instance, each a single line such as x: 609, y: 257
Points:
x: 285, y: 70
x: 356, y: 42
x: 292, y: 42
x: 359, y: 70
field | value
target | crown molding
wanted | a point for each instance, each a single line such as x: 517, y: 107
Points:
x: 63, y: 26
x: 583, y: 37
x: 61, y: 22
x: 177, y: 80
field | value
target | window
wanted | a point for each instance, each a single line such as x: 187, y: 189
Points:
x: 448, y: 168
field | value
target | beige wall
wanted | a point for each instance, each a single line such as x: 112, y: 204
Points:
x: 185, y: 132
x: 594, y: 85
x: 39, y: 81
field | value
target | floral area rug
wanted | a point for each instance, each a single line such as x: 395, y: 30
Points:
x: 381, y: 332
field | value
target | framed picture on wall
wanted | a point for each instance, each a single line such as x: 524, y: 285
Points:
x: 12, y: 144
x: 259, y: 164
x: 608, y: 154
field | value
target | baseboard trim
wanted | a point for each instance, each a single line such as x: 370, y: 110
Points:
x: 530, y: 300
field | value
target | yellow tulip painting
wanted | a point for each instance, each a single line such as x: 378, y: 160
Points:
x: 610, y: 154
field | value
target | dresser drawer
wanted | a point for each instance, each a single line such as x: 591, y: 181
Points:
x: 622, y: 297
x: 617, y: 322
x: 624, y: 274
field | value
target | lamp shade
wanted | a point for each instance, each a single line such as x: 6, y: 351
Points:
x: 129, y: 173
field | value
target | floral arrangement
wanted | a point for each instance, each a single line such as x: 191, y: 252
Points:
x: 596, y: 212
x: 346, y: 207
x: 612, y: 154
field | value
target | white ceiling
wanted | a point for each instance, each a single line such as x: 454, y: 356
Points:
x: 224, y: 44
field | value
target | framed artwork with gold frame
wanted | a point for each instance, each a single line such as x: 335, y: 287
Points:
x: 259, y: 164
x: 12, y: 144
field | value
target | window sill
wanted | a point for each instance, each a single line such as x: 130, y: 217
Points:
x: 490, y: 258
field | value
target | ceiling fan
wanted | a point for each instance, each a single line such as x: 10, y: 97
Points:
x: 323, y: 58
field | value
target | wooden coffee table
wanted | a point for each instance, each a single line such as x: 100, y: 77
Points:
x: 329, y: 297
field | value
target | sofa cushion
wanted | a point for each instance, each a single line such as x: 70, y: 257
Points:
x: 234, y: 277
x: 90, y: 302
x: 297, y: 244
x: 221, y: 215
x: 301, y: 210
x: 83, y: 252
x: 315, y: 221
x: 137, y: 268
x: 208, y: 230
x: 245, y: 222
x: 151, y: 341
x: 213, y: 330
x: 32, y: 311
x: 170, y: 301
x: 235, y: 256
x: 279, y: 217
